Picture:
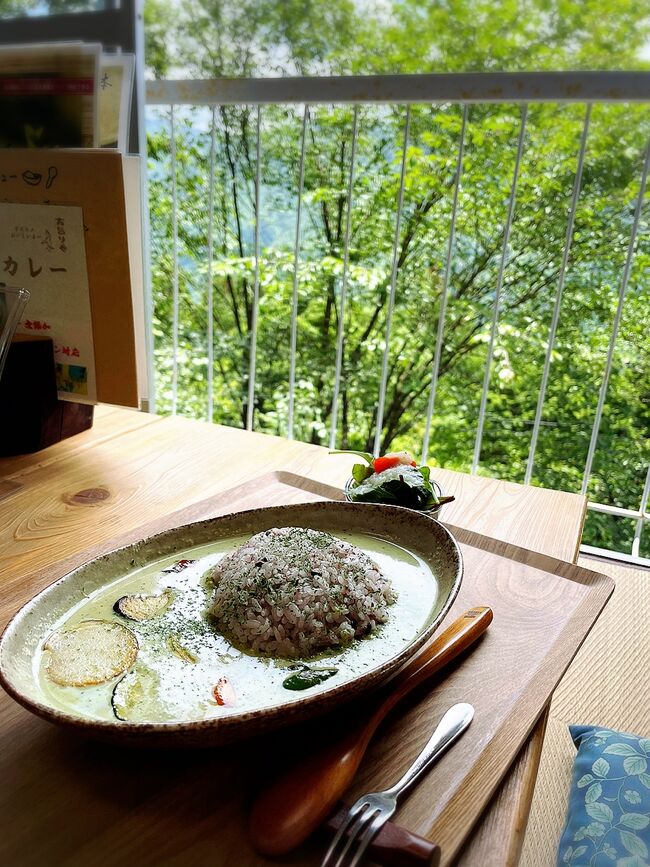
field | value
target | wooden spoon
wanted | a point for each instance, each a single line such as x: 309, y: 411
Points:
x: 288, y: 811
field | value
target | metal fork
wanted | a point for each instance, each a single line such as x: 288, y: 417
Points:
x: 370, y: 812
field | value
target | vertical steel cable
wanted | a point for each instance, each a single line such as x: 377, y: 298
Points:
x: 558, y: 298
x: 497, y: 294
x: 256, y: 289
x: 393, y: 282
x: 294, y: 299
x: 175, y: 269
x: 636, y: 543
x: 445, y: 291
x: 344, y: 284
x: 210, y: 329
x: 617, y: 321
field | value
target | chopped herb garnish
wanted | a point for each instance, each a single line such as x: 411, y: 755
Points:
x: 307, y: 677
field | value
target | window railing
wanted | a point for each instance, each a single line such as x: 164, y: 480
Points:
x: 537, y: 180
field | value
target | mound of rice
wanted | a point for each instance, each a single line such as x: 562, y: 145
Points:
x: 293, y: 592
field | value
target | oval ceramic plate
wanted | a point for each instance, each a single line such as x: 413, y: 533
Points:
x: 417, y: 553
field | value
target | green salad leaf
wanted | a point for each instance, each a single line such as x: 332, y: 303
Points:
x: 368, y: 458
x: 400, y: 486
x: 360, y: 472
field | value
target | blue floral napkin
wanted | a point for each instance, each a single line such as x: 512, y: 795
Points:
x: 608, y: 818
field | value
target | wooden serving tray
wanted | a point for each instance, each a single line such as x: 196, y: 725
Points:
x: 543, y: 610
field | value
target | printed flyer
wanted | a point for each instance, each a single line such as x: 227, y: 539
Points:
x: 42, y: 249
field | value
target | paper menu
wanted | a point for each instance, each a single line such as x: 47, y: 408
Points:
x: 42, y: 249
x: 93, y: 181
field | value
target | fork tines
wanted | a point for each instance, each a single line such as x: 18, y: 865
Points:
x: 363, y: 823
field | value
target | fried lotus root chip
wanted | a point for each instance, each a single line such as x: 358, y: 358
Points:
x: 92, y: 652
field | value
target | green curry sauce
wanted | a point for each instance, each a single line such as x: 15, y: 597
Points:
x: 182, y: 657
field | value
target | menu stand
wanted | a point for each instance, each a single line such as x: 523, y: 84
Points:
x: 31, y: 415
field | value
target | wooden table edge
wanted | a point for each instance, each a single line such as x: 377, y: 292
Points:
x: 517, y: 786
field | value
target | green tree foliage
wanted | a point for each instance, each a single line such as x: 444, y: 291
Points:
x: 219, y: 38
x: 216, y: 38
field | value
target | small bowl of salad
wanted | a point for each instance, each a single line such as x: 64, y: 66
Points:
x: 394, y: 479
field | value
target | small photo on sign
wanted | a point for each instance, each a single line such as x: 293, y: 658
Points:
x: 72, y: 379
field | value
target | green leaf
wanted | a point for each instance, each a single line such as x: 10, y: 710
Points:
x: 585, y: 780
x: 620, y: 750
x: 633, y: 844
x: 644, y: 743
x: 644, y: 779
x: 635, y: 821
x: 594, y: 792
x: 578, y: 851
x: 600, y: 812
x: 568, y: 854
x: 600, y: 767
x: 635, y: 765
x: 632, y: 797
x: 400, y: 486
x: 361, y: 472
x: 365, y: 455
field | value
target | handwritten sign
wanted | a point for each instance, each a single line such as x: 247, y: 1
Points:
x: 42, y: 248
x: 93, y: 181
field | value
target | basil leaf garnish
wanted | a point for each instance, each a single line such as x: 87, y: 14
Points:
x: 308, y: 677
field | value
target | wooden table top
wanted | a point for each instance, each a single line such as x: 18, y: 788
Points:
x: 131, y: 468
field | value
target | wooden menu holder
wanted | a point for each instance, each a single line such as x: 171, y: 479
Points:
x: 31, y: 415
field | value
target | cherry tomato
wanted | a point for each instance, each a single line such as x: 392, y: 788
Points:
x: 394, y: 459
